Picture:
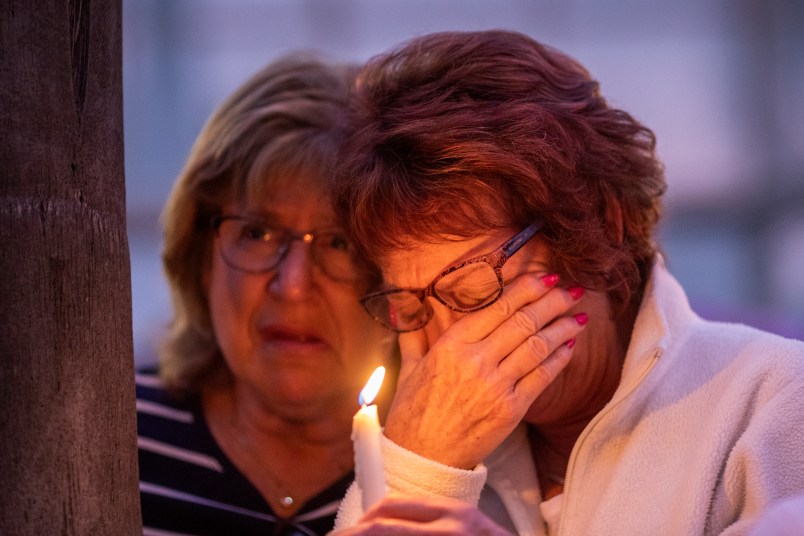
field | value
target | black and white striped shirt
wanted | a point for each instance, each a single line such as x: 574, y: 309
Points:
x: 188, y: 486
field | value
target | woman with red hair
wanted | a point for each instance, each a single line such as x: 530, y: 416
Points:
x: 552, y: 370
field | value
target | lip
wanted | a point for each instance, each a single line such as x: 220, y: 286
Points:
x: 292, y: 336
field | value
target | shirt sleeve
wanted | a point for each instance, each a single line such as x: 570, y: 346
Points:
x: 410, y: 474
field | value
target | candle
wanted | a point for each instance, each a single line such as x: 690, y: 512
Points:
x: 366, y: 432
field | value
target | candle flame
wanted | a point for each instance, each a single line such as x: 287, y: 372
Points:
x: 372, y: 386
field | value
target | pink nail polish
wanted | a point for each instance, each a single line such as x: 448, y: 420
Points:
x: 550, y: 280
x: 570, y: 343
x: 576, y: 292
x: 581, y: 318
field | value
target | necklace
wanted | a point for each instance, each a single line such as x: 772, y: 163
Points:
x: 279, y: 490
x: 285, y: 490
x: 244, y: 452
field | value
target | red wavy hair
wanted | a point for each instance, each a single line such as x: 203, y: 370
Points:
x: 463, y: 132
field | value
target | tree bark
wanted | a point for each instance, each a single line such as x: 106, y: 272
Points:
x: 68, y: 459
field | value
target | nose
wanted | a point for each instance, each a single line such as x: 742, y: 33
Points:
x: 292, y: 279
x: 443, y: 316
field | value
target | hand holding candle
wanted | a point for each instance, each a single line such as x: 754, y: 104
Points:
x: 366, y: 432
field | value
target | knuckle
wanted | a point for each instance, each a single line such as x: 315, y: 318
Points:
x: 504, y: 307
x: 553, y: 367
x: 533, y: 285
x: 550, y: 374
x: 471, y: 365
x: 508, y: 412
x: 525, y: 322
x: 539, y: 344
x: 535, y: 282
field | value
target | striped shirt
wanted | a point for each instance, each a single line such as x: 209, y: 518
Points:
x: 188, y: 486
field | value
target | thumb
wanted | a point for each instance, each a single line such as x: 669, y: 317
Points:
x: 413, y: 346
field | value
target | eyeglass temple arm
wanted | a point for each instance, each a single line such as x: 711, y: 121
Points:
x: 519, y: 240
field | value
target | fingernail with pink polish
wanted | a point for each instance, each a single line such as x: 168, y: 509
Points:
x: 550, y: 280
x: 576, y: 292
x: 570, y: 343
x: 581, y: 318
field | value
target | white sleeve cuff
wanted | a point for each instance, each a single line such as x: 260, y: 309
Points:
x: 408, y: 473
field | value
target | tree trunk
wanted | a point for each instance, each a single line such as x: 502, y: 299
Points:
x: 68, y: 460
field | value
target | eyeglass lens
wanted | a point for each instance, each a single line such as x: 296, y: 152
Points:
x: 467, y: 288
x: 255, y: 248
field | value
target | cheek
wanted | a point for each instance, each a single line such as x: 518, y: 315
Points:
x: 362, y: 337
x: 230, y: 297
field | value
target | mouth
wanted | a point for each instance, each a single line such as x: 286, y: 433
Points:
x: 285, y: 335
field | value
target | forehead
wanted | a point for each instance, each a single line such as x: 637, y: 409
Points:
x: 294, y: 200
x: 420, y: 262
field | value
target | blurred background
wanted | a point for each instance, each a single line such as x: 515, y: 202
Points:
x: 721, y: 83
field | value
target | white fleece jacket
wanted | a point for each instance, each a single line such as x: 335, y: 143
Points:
x: 705, y: 431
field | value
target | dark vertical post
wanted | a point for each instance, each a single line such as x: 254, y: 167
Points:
x: 68, y: 460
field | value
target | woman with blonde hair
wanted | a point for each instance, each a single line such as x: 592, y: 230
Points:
x: 245, y: 428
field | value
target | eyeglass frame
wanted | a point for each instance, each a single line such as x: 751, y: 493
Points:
x: 495, y: 259
x: 307, y: 237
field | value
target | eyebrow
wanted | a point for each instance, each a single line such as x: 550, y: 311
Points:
x: 272, y: 218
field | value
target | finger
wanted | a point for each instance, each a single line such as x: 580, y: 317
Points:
x: 420, y: 510
x: 529, y: 321
x: 401, y: 507
x: 413, y: 346
x: 524, y: 289
x: 532, y: 384
x: 385, y: 527
x: 535, y: 349
x: 431, y: 516
x: 398, y: 527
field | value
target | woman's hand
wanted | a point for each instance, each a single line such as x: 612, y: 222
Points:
x: 462, y: 391
x: 397, y: 515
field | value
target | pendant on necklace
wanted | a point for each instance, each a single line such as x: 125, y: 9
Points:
x: 286, y: 501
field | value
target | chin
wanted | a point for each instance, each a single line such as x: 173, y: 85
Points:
x: 299, y: 387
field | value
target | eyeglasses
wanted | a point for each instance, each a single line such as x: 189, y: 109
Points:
x: 469, y: 286
x: 254, y: 247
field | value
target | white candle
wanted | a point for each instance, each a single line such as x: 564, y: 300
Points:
x: 366, y: 431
